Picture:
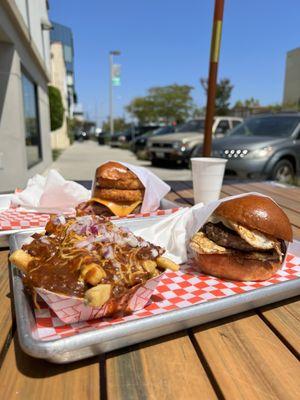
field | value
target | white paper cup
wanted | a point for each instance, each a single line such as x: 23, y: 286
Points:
x: 208, y: 176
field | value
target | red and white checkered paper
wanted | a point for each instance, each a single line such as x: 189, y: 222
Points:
x: 176, y: 290
x: 12, y: 219
x: 72, y: 309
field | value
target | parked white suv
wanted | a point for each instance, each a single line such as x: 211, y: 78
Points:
x: 180, y: 145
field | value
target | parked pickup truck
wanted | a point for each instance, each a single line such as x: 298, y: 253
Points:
x: 179, y: 146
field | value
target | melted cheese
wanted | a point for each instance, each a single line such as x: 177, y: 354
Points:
x: 119, y: 209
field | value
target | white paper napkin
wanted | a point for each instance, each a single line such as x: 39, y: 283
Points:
x: 155, y: 188
x: 175, y: 231
x: 50, y: 194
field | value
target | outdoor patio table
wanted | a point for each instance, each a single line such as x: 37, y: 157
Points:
x: 252, y: 355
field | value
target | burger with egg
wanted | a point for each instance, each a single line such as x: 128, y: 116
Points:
x: 243, y: 240
x: 116, y: 191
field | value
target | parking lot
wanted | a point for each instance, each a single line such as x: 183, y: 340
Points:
x: 80, y: 161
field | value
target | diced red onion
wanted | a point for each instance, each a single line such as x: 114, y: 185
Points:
x: 83, y: 243
x: 132, y: 241
x: 94, y: 229
x: 108, y: 252
x: 154, y: 253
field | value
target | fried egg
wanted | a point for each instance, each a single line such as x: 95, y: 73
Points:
x: 253, y: 237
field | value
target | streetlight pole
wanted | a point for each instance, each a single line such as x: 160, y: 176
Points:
x: 111, y: 63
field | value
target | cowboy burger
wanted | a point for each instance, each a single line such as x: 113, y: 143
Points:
x: 116, y: 191
x: 243, y: 240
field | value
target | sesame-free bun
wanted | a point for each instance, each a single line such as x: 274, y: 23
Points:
x: 259, y: 213
x: 228, y: 266
x: 113, y: 175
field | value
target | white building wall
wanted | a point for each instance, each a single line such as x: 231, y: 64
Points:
x: 15, y: 54
x: 22, y: 6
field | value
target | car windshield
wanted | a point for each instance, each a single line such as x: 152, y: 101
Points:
x: 163, y: 130
x: 267, y: 126
x: 195, y: 125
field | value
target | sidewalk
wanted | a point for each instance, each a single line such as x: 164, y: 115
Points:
x: 80, y: 161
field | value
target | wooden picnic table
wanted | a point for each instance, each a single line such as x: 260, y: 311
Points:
x: 253, y: 355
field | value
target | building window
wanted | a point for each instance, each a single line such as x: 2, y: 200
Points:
x: 32, y: 126
x: 68, y: 53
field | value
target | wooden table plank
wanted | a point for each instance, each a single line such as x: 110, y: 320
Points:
x: 165, y: 370
x: 25, y: 378
x: 280, y: 195
x: 248, y: 360
x: 284, y: 317
x: 5, y: 309
x: 172, y: 196
x: 183, y: 192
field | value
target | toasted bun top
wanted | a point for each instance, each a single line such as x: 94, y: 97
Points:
x: 114, y: 171
x: 257, y: 212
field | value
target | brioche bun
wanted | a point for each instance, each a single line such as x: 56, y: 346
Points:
x: 113, y: 175
x: 228, y: 266
x: 259, y: 213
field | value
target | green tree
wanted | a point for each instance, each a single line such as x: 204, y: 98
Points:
x: 56, y: 108
x: 120, y: 125
x: 172, y: 103
x: 238, y: 104
x: 223, y: 94
x: 248, y: 103
x: 143, y: 109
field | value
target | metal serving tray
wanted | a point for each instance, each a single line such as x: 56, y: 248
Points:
x: 5, y: 202
x: 120, y: 335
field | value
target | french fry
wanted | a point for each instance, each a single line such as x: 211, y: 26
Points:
x: 149, y: 265
x: 21, y: 259
x: 92, y: 273
x: 97, y: 295
x: 165, y: 263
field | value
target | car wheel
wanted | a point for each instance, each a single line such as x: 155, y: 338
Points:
x: 283, y: 172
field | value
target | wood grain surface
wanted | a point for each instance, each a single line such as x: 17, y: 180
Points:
x: 284, y: 318
x: 248, y: 360
x: 25, y: 378
x: 5, y: 300
x: 165, y: 370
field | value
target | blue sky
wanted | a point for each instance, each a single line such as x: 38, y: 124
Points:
x: 168, y: 41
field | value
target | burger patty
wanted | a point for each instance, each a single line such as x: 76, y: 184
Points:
x: 88, y: 208
x: 123, y: 184
x: 225, y: 237
x: 118, y: 195
x: 94, y: 208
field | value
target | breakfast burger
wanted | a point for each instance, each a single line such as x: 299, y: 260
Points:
x: 116, y: 191
x: 243, y: 240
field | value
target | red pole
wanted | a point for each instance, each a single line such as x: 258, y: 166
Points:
x: 213, y: 73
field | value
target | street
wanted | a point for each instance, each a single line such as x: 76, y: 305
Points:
x: 80, y: 161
